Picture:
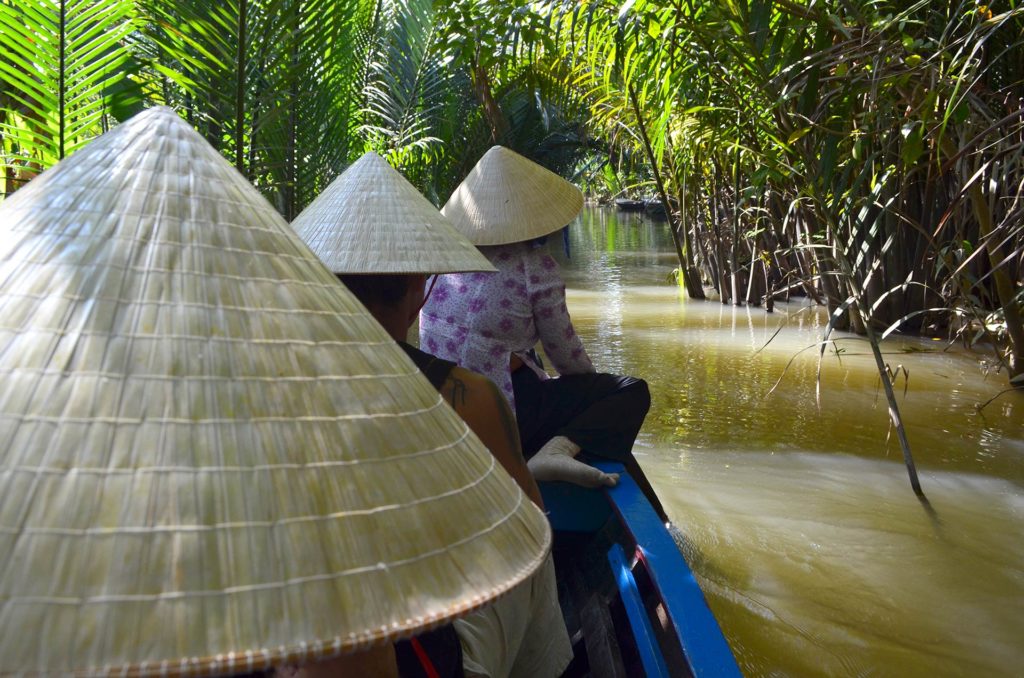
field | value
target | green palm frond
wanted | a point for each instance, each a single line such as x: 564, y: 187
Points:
x: 270, y: 83
x: 407, y: 84
x: 320, y: 111
x: 209, y: 53
x: 63, y: 70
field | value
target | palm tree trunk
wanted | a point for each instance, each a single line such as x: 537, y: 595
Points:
x: 652, y: 160
x: 691, y: 278
x: 715, y: 226
x: 1003, y: 284
x: 62, y: 40
x: 240, y: 89
x: 293, y: 96
x: 492, y: 111
x: 735, y: 226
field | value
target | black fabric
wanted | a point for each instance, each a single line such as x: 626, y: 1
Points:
x: 602, y: 413
x: 435, y: 369
x: 441, y: 645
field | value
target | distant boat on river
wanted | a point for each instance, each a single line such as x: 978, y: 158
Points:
x: 627, y: 205
x: 655, y: 209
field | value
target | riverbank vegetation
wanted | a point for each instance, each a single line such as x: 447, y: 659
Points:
x: 866, y: 154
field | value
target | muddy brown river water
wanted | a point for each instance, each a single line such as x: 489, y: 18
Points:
x: 813, y: 551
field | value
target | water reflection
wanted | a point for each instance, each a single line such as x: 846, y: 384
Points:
x: 814, y: 552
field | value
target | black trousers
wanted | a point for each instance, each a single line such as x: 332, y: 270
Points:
x: 602, y: 413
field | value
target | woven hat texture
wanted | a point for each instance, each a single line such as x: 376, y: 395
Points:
x: 507, y: 198
x: 212, y: 459
x: 372, y: 220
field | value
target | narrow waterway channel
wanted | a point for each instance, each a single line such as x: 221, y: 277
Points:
x: 813, y: 552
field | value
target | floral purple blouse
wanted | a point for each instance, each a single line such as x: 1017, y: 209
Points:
x: 479, y: 320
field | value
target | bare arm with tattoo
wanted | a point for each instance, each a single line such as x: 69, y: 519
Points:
x: 484, y: 409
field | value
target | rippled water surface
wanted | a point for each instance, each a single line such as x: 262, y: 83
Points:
x: 813, y: 551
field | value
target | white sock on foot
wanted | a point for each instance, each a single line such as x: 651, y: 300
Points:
x: 556, y: 461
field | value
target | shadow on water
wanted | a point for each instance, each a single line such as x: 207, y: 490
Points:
x: 796, y: 515
x: 933, y: 515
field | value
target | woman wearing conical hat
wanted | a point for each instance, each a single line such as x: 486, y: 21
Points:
x: 506, y: 206
x: 375, y: 231
x: 212, y: 459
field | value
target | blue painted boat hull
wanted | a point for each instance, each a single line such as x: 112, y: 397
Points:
x: 631, y: 601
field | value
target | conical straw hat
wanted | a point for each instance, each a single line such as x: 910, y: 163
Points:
x: 507, y: 198
x: 371, y: 220
x: 211, y: 458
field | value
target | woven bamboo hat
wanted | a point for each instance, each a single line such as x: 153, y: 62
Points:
x: 371, y: 220
x: 507, y: 198
x: 211, y: 458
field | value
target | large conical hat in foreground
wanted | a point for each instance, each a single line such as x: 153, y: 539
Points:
x: 211, y: 458
x: 371, y: 220
x: 507, y: 198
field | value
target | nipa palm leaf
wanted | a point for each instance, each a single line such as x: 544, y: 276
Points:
x: 64, y: 62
